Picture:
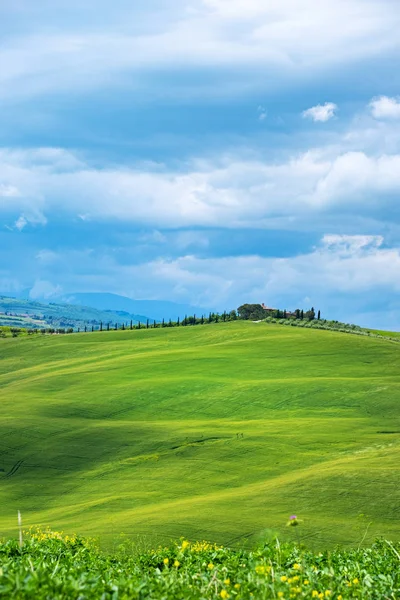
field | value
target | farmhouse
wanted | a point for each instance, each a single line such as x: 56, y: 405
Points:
x: 268, y: 309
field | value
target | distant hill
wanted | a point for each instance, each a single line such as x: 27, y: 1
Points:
x: 16, y: 312
x: 155, y: 309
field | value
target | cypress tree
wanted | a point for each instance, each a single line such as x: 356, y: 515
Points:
x: 319, y: 315
x: 184, y: 322
x: 85, y: 328
x: 108, y: 326
x: 284, y: 314
x: 170, y: 322
x: 139, y: 325
x: 92, y: 328
x: 154, y: 325
x: 163, y: 323
x: 194, y: 319
x: 147, y: 324
x: 101, y: 325
x: 302, y: 314
x: 178, y: 322
x: 202, y: 319
x: 123, y: 326
x: 116, y: 326
x: 131, y: 325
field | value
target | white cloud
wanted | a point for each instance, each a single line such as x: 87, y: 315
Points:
x: 359, y: 268
x: 44, y: 289
x: 8, y: 191
x: 385, y: 107
x: 346, y: 245
x: 321, y: 113
x: 228, y: 191
x: 20, y: 223
x: 296, y: 37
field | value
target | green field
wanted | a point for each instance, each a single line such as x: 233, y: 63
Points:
x: 217, y: 432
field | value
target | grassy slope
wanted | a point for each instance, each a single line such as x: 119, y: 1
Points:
x: 137, y: 432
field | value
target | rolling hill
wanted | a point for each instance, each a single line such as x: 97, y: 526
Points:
x: 17, y: 312
x: 215, y: 432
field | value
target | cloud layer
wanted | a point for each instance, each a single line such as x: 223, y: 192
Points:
x: 134, y: 159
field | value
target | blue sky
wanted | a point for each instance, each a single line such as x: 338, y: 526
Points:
x: 213, y: 152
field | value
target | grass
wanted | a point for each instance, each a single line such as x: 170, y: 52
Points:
x: 217, y: 432
x: 50, y: 565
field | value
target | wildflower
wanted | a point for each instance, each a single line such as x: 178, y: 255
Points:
x: 306, y: 582
x: 340, y: 597
x: 280, y: 594
x: 321, y: 595
x: 227, y: 581
x: 166, y: 561
x: 224, y: 594
x: 176, y: 563
x: 210, y: 566
x: 185, y: 544
x: 314, y: 594
x: 293, y: 521
x: 237, y: 586
x: 356, y: 581
x: 283, y: 578
x: 328, y: 593
x: 296, y: 566
x: 295, y: 578
x: 261, y: 569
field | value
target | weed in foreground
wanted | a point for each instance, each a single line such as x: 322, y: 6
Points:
x: 51, y: 565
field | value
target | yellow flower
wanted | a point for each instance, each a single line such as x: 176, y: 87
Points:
x: 224, y: 594
x: 356, y: 581
x: 280, y: 594
x: 340, y: 597
x: 295, y: 578
x: 227, y: 581
x: 261, y: 569
x: 283, y: 578
x: 237, y: 586
x: 314, y: 594
x: 185, y: 544
x: 210, y: 566
x: 297, y: 566
x: 176, y: 563
x: 328, y: 593
x: 321, y: 595
x: 306, y: 582
x: 166, y: 561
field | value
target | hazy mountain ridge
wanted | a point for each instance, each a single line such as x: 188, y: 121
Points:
x: 31, y: 313
x: 155, y: 309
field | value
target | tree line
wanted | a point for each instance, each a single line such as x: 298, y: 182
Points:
x: 256, y: 312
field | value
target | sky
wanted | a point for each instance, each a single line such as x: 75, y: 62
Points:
x: 211, y: 152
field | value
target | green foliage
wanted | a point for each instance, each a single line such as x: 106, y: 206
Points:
x: 50, y: 565
x: 251, y: 312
